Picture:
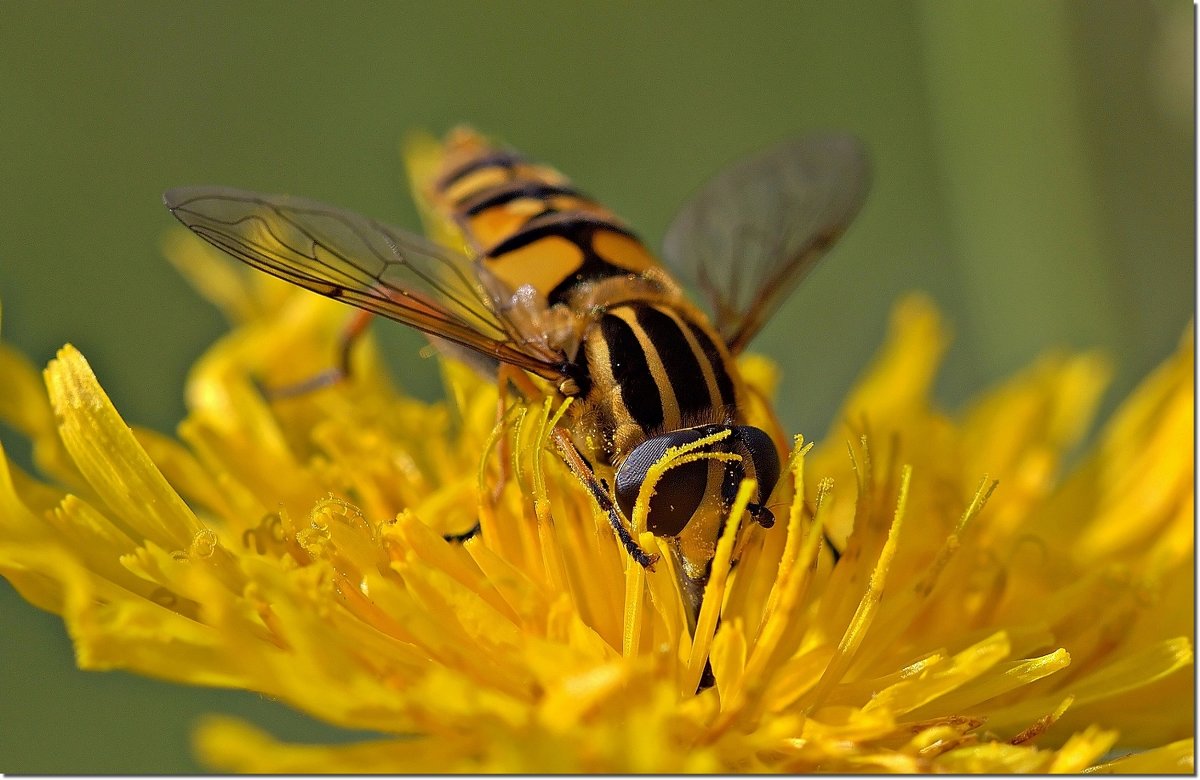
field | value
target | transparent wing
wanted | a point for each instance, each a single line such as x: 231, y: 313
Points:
x: 352, y: 258
x: 753, y: 231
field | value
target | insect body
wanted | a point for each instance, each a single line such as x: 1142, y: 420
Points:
x: 549, y: 282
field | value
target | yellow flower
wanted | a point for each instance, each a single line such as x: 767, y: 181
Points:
x: 999, y: 605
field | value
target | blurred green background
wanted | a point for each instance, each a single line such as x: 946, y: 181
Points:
x: 1034, y: 172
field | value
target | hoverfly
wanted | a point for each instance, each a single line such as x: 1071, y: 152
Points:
x: 549, y: 283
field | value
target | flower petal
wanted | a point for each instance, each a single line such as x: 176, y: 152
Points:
x: 110, y: 458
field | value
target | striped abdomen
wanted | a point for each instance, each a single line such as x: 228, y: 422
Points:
x: 528, y: 224
x: 652, y: 369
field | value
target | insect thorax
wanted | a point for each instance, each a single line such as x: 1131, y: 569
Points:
x: 651, y: 367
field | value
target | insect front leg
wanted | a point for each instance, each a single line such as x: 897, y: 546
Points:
x: 349, y: 336
x: 580, y: 468
x: 507, y: 378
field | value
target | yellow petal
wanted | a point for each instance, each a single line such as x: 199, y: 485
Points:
x: 1175, y: 758
x: 110, y: 458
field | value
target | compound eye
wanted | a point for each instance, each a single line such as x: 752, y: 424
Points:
x: 677, y: 495
x: 763, y: 455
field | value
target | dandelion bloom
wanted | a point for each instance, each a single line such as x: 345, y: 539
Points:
x: 997, y: 606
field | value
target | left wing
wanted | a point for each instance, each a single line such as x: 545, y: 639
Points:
x: 753, y: 231
x: 369, y: 265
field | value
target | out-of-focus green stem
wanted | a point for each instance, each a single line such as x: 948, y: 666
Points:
x: 1012, y: 148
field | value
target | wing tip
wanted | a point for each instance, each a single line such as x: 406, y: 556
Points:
x: 175, y: 197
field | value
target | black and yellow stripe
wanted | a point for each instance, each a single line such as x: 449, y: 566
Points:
x: 528, y: 225
x: 651, y: 371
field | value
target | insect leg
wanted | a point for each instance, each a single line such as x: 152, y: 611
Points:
x: 580, y: 468
x: 509, y: 376
x: 330, y: 376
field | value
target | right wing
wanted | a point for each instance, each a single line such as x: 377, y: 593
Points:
x: 754, y: 230
x: 369, y: 265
